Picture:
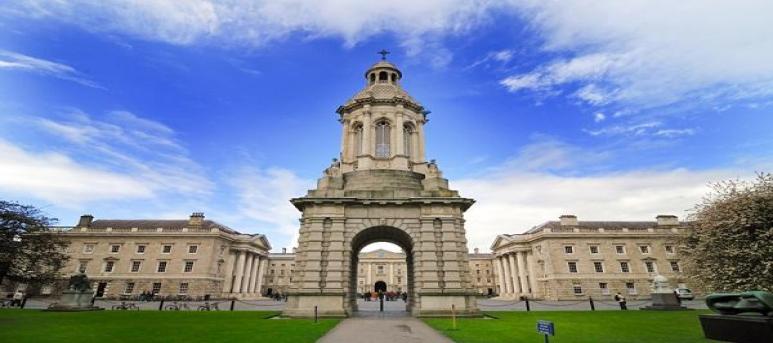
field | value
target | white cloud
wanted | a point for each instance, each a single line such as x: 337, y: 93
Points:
x: 652, y: 53
x: 674, y: 132
x: 16, y: 61
x: 637, y: 129
x: 599, y: 117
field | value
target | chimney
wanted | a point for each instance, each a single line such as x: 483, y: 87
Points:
x: 284, y: 250
x: 667, y: 219
x: 85, y: 220
x: 568, y: 220
x: 475, y: 250
x: 197, y: 218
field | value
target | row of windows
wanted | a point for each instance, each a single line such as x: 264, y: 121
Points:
x: 603, y: 286
x: 649, y: 266
x: 383, y: 140
x: 620, y: 249
x: 136, y: 266
x: 156, y: 288
x: 89, y: 248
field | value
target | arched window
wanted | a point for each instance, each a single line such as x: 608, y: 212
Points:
x: 394, y: 77
x: 382, y: 76
x: 408, y: 140
x: 372, y: 78
x: 382, y: 139
x: 357, y: 136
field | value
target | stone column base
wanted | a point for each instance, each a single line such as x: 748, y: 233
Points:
x: 439, y: 305
x: 328, y: 306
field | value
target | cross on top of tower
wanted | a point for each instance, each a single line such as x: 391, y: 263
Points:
x: 383, y: 54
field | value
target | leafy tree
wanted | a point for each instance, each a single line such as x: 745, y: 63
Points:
x: 730, y: 244
x: 30, y: 252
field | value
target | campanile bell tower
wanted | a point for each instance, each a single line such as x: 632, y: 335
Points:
x: 381, y: 189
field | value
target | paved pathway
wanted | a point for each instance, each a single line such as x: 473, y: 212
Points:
x: 390, y: 328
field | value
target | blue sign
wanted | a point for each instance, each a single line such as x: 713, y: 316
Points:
x: 546, y: 327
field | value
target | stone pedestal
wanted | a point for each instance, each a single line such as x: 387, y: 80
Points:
x: 737, y: 328
x: 665, y: 302
x: 74, y: 301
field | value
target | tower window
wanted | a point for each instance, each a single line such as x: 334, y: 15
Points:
x: 372, y: 78
x: 382, y: 76
x: 407, y: 140
x: 394, y: 77
x: 382, y: 139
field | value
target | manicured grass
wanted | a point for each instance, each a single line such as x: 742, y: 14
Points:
x: 156, y: 326
x: 578, y: 326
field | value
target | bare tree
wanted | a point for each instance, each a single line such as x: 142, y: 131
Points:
x: 30, y: 252
x: 730, y: 244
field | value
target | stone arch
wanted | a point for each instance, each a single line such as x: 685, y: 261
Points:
x: 380, y: 233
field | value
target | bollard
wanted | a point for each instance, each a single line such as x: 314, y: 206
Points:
x: 592, y: 306
x: 528, y: 308
x: 381, y: 303
x: 316, y: 318
x: 161, y: 305
x: 232, y: 304
x: 453, y: 316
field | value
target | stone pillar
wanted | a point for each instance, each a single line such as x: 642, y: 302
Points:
x: 391, y: 275
x: 261, y: 273
x: 253, y: 274
x: 532, y: 275
x: 229, y: 272
x: 507, y: 277
x: 398, y: 142
x: 368, y: 281
x: 513, y: 273
x: 521, y: 257
x: 345, y: 138
x: 242, y: 255
x: 368, y: 147
x: 420, y: 147
x: 247, y: 272
x: 501, y: 277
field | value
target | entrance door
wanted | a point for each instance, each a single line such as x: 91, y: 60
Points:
x: 101, y: 289
x: 380, y: 286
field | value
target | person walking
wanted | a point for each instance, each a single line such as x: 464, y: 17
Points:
x: 18, y: 297
x: 621, y: 300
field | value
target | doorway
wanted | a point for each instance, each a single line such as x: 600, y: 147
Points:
x: 380, y: 287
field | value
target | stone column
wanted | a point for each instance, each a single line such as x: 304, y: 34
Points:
x: 398, y: 142
x: 420, y: 143
x: 368, y: 281
x: 247, y: 272
x: 345, y: 134
x: 261, y: 273
x: 242, y: 255
x: 532, y: 275
x: 514, y: 273
x: 521, y: 257
x: 391, y: 275
x: 229, y: 272
x: 501, y: 271
x: 253, y: 273
x: 368, y: 147
x: 508, y: 279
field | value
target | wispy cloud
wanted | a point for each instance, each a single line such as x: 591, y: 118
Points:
x: 15, y: 61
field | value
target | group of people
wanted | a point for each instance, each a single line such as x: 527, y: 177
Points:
x: 388, y: 296
x: 278, y: 296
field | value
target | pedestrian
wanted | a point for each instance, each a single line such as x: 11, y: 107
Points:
x: 621, y: 300
x: 18, y: 296
x: 678, y: 299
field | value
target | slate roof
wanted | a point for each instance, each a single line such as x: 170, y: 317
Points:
x: 596, y: 224
x: 172, y: 224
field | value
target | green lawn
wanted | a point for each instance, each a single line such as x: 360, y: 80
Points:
x: 156, y: 326
x: 579, y: 326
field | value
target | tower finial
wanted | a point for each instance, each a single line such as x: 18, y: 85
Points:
x: 383, y: 53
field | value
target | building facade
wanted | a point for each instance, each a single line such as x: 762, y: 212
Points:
x: 570, y: 259
x: 190, y: 257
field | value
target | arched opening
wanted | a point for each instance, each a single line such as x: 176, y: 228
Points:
x: 372, y: 78
x: 394, y: 77
x: 381, y: 260
x: 383, y: 76
x: 382, y: 139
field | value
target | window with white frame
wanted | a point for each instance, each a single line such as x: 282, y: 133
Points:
x: 161, y: 266
x: 115, y: 248
x: 624, y: 268
x: 109, y: 266
x: 136, y: 266
x: 88, y: 248
x: 382, y: 139
x: 631, y: 287
x: 568, y: 249
x: 156, y: 288
x: 577, y: 289
x: 166, y: 249
x: 188, y: 267
x: 598, y: 266
x: 650, y: 266
x: 572, y: 267
x: 669, y: 249
x: 141, y: 249
x: 604, y: 288
x: 129, y: 288
x: 620, y: 249
x: 675, y: 266
x: 82, y: 266
x: 192, y: 249
x: 183, y: 288
x: 594, y: 249
x: 645, y: 249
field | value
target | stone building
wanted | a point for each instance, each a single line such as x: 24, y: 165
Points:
x: 382, y: 270
x: 570, y: 259
x: 188, y: 257
x: 484, y: 277
x: 279, y: 273
x: 381, y: 189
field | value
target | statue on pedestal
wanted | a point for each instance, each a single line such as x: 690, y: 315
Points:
x: 77, y: 296
x: 663, y: 296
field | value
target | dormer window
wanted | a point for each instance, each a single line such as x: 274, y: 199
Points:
x: 382, y: 138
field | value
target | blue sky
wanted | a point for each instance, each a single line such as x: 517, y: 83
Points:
x: 604, y: 109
